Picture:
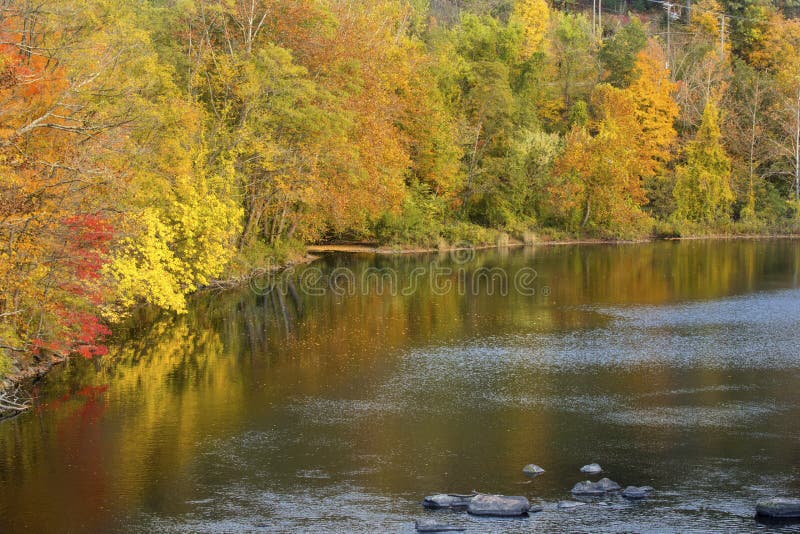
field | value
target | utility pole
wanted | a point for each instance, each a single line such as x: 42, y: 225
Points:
x: 669, y: 29
x: 600, y: 17
x: 797, y: 149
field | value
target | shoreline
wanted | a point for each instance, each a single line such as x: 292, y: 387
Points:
x: 375, y: 248
x: 29, y: 375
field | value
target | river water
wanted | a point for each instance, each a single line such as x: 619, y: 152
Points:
x: 334, y: 398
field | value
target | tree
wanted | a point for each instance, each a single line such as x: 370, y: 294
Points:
x: 485, y: 49
x: 534, y: 17
x: 572, y: 67
x: 182, y: 218
x: 618, y: 54
x: 702, y: 189
x: 700, y: 62
x: 751, y: 25
x: 72, y: 95
x: 597, y: 183
x: 656, y: 111
x: 785, y: 42
x: 747, y: 132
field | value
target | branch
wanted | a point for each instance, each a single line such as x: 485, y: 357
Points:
x: 12, y: 401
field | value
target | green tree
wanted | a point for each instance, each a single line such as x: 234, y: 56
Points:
x: 702, y: 190
x: 572, y: 65
x: 618, y: 54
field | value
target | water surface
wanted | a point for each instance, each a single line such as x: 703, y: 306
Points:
x: 307, y: 408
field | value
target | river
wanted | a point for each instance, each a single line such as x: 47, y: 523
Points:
x: 334, y: 398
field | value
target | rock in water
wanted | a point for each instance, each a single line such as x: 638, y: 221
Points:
x: 608, y: 484
x: 498, y: 505
x: 591, y: 469
x: 600, y: 487
x: 779, y: 508
x: 532, y: 470
x: 431, y: 525
x: 587, y: 488
x: 636, y: 493
x: 567, y: 505
x: 447, y: 500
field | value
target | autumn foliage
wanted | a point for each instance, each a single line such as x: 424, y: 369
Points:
x: 150, y: 149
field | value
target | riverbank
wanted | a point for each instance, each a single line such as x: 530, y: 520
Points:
x: 13, y: 397
x: 376, y: 248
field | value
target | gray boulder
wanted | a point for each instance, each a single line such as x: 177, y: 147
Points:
x: 591, y: 469
x: 432, y: 525
x: 779, y: 508
x: 532, y: 470
x: 636, y: 493
x: 498, y: 505
x: 587, y: 488
x: 601, y: 487
x: 568, y: 505
x: 447, y: 500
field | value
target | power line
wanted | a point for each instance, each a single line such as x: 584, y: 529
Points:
x: 613, y: 11
x: 717, y: 13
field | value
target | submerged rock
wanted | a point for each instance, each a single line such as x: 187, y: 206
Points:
x: 602, y: 486
x: 431, y: 525
x: 532, y: 470
x: 637, y: 492
x: 779, y: 508
x: 591, y: 469
x: 498, y: 505
x: 447, y: 500
x: 568, y: 505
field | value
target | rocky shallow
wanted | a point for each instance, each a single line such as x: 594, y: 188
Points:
x: 587, y: 494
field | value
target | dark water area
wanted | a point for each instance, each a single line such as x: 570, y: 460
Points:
x: 323, y: 402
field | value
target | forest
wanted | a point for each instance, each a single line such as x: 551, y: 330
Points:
x: 150, y: 148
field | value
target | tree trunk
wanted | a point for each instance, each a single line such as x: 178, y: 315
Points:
x: 588, y: 212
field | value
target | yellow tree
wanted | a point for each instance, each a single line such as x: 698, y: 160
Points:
x: 705, y: 19
x: 534, y: 18
x: 655, y: 108
x: 599, y: 176
x: 653, y: 93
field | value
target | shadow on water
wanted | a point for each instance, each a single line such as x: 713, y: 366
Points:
x: 335, y: 398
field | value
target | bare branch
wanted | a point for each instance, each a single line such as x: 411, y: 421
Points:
x: 13, y: 400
